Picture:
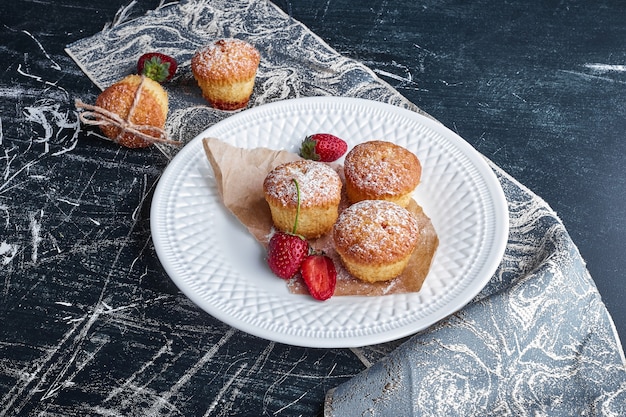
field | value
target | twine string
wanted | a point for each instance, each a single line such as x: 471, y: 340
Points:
x: 99, y: 116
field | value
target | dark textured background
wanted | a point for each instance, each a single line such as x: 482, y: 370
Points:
x: 537, y: 88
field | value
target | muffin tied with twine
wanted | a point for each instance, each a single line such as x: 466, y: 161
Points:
x: 131, y: 112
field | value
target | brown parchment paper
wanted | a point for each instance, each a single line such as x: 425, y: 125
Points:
x: 240, y: 173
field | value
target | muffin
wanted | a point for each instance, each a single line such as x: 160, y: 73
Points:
x: 320, y: 193
x: 148, y: 114
x: 375, y: 239
x: 380, y: 170
x: 225, y: 72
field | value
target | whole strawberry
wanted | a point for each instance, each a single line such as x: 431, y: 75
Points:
x: 320, y: 276
x: 286, y: 251
x: 285, y: 254
x: 323, y: 147
x: 158, y: 66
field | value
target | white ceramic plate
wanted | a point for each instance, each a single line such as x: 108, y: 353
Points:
x: 221, y: 268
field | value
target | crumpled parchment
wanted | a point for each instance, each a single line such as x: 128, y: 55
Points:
x: 240, y: 172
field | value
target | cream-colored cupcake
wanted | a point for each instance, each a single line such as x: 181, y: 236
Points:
x: 375, y: 239
x: 380, y: 170
x: 320, y: 193
x: 225, y: 72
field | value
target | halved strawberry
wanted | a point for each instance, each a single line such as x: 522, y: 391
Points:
x: 323, y: 147
x: 285, y: 254
x: 320, y: 276
x: 158, y: 66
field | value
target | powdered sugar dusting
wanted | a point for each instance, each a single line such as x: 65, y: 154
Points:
x: 226, y: 58
x: 382, y: 167
x: 318, y: 183
x: 376, y: 230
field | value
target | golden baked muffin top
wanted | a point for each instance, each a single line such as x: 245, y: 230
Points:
x: 376, y: 231
x: 382, y: 168
x: 226, y: 59
x: 150, y: 110
x: 319, y: 184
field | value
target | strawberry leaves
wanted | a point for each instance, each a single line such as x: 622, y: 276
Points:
x: 157, y: 66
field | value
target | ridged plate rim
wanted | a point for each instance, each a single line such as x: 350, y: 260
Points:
x: 198, y: 242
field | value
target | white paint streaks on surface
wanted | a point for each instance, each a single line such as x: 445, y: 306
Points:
x: 64, y: 303
x: 7, y: 252
x: 35, y: 230
x: 164, y: 399
x: 52, y: 61
x: 5, y: 209
x: 145, y: 367
x: 110, y: 349
x: 606, y: 67
x: 218, y: 401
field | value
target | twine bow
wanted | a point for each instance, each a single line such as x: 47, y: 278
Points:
x: 99, y: 116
